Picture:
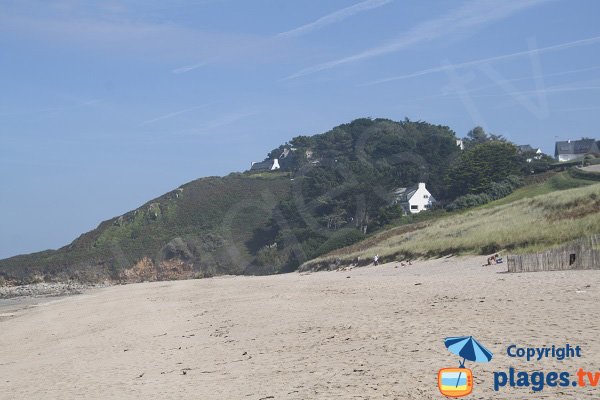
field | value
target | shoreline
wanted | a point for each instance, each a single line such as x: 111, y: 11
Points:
x: 15, y: 300
x: 44, y: 289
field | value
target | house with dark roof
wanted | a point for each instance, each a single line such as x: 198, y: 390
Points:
x: 536, y: 153
x: 414, y: 199
x: 268, y: 165
x: 573, y: 149
x: 526, y: 148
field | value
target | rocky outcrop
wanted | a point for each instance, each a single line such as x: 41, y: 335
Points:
x: 143, y: 270
x: 146, y: 270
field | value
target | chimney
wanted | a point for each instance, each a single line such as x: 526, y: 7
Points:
x: 421, y: 185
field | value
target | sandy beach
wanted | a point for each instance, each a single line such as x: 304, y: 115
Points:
x: 368, y: 333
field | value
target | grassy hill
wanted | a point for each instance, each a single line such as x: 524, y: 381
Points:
x: 199, y: 229
x: 535, y: 217
x: 334, y: 189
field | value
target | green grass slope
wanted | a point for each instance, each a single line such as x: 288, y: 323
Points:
x: 547, y: 184
x: 203, y: 227
x: 535, y: 217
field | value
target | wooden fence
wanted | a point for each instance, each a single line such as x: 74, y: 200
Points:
x: 580, y: 254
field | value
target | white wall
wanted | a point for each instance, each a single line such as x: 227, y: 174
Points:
x: 567, y: 157
x: 421, y: 200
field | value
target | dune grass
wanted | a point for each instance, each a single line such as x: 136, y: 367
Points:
x: 523, y: 225
x: 555, y: 182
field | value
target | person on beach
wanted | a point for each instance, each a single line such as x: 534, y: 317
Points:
x: 376, y: 260
x: 495, y: 259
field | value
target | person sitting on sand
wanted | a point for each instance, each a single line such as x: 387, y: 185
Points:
x: 495, y: 259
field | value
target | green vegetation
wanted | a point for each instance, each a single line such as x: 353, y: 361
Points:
x: 494, y: 191
x: 545, y: 184
x: 206, y: 223
x: 582, y: 174
x: 333, y: 190
x: 479, y: 167
x: 520, y: 224
x: 362, y: 162
x: 343, y: 180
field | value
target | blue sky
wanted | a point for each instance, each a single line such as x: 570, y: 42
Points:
x: 107, y: 104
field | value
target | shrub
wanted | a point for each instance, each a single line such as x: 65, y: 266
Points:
x: 496, y: 191
x: 269, y: 257
x: 341, y: 238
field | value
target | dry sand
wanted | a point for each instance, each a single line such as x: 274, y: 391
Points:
x: 373, y: 332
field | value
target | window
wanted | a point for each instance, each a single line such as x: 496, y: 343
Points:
x: 425, y: 196
x: 415, y: 207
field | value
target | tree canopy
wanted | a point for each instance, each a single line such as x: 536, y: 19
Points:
x: 348, y: 179
x: 478, y: 167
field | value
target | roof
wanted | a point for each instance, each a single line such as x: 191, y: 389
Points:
x: 260, y: 166
x: 582, y: 147
x: 525, y: 148
x: 406, y: 193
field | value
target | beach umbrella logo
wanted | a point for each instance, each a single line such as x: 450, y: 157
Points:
x: 458, y: 382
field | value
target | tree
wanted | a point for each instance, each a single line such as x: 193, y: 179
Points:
x: 478, y: 135
x: 349, y: 186
x: 477, y: 168
x: 475, y: 136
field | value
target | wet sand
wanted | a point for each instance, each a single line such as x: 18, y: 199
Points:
x: 368, y: 333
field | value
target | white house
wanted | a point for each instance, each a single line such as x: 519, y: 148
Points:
x: 414, y: 199
x: 575, y: 149
x: 269, y: 165
x: 536, y: 153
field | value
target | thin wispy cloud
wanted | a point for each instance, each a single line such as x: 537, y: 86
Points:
x: 558, y: 47
x: 585, y: 108
x: 573, y: 87
x: 188, y: 68
x: 473, y: 93
x: 560, y: 90
x: 530, y: 77
x: 220, y: 121
x: 334, y: 17
x: 470, y: 16
x: 130, y: 36
x: 550, y: 90
x: 230, y: 118
x: 171, y: 115
x: 322, y: 22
